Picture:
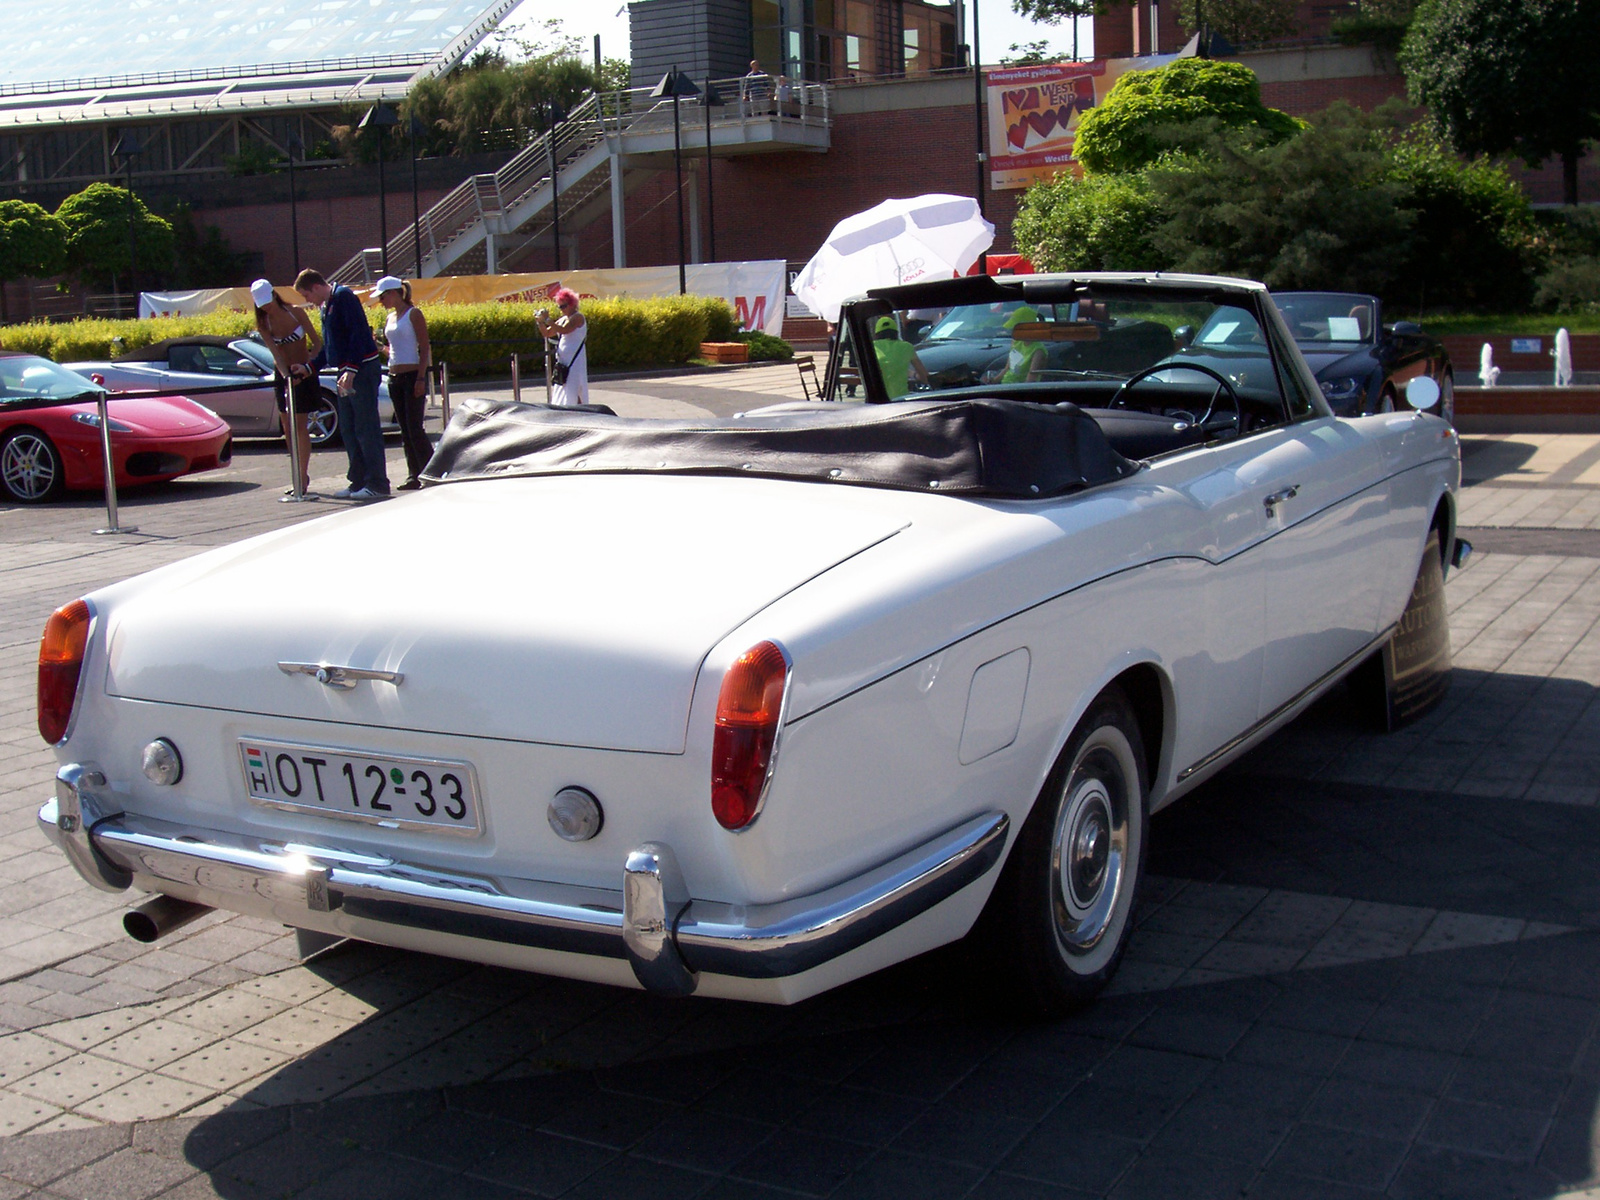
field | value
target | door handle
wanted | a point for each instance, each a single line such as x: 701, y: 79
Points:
x: 1278, y: 497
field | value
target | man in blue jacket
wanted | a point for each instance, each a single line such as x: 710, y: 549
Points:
x: 347, y: 341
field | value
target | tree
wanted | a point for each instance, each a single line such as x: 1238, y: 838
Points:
x: 33, y: 242
x: 1509, y: 76
x: 1240, y: 21
x: 1151, y: 113
x: 97, y: 220
x: 1317, y: 211
x: 1029, y: 54
x: 202, y: 257
x: 1098, y: 223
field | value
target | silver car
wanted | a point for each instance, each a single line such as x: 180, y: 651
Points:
x: 231, y: 376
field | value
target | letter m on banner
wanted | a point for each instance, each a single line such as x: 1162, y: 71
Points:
x: 750, y: 316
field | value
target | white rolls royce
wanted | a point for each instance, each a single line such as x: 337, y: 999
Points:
x: 753, y: 707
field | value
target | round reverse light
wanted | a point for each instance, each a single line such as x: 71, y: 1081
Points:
x: 575, y: 814
x: 161, y: 762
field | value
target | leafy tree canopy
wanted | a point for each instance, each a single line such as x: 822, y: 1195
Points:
x: 1240, y: 21
x: 97, y: 221
x: 33, y: 241
x: 1509, y: 76
x: 1151, y: 113
x: 1029, y: 54
x: 1097, y: 223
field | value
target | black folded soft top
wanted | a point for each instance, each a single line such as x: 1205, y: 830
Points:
x: 970, y: 447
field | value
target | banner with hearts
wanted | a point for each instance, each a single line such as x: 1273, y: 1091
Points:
x: 1033, y: 114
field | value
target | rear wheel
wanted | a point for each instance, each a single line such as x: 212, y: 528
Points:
x: 1061, y: 915
x: 1408, y: 676
x: 30, y: 467
x: 323, y: 421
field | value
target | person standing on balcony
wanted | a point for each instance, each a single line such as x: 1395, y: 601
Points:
x: 406, y: 343
x: 570, y: 375
x: 755, y: 88
x: 347, y: 337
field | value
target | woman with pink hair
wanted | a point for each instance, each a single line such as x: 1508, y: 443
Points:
x: 570, y: 375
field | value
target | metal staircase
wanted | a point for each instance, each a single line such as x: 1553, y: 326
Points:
x: 490, y: 220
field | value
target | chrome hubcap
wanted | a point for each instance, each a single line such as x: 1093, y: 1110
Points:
x: 1090, y: 851
x: 27, y: 466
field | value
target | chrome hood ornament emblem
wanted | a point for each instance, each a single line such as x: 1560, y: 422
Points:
x: 343, y: 678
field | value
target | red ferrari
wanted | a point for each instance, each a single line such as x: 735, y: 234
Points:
x: 50, y: 433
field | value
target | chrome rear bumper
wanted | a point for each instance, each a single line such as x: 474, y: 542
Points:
x: 651, y: 921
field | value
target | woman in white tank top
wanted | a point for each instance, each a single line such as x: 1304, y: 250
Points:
x: 406, y: 343
x: 571, y: 382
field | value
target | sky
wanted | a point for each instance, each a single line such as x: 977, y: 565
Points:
x: 999, y: 27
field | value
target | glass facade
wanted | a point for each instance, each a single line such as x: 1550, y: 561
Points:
x: 823, y: 40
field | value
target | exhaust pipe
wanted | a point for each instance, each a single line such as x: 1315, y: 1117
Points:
x: 159, y: 916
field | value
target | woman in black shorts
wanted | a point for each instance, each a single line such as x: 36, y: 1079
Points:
x: 295, y: 344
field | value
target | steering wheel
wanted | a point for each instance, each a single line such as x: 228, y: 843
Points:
x: 1119, y: 397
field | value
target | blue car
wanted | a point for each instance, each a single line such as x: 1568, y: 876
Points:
x: 1362, y: 364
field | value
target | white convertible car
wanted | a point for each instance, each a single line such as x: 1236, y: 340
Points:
x: 753, y: 707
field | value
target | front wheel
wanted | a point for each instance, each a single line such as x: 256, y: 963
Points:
x: 323, y: 421
x: 1061, y: 915
x: 30, y: 467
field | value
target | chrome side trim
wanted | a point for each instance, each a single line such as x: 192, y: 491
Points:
x: 1278, y: 713
x: 650, y: 920
x: 771, y: 941
x: 343, y: 678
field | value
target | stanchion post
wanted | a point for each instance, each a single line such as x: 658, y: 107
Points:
x: 444, y: 395
x: 516, y: 377
x: 111, y: 474
x: 549, y: 372
x: 296, y: 495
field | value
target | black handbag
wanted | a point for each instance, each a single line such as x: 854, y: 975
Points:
x: 560, y: 371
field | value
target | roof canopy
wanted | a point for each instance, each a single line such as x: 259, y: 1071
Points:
x: 99, y: 60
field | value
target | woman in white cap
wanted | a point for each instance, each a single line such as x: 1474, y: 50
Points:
x: 406, y: 338
x: 295, y: 344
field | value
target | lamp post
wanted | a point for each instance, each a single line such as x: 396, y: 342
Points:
x: 676, y: 84
x: 557, y: 115
x: 977, y: 112
x: 296, y: 146
x: 710, y: 98
x: 414, y: 127
x: 127, y: 149
x: 382, y: 118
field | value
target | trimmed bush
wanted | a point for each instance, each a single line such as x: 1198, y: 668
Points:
x: 764, y: 347
x: 472, y: 338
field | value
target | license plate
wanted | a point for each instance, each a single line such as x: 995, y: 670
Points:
x: 384, y: 789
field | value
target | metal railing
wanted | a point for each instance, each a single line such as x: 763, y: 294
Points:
x: 499, y: 196
x: 354, y: 62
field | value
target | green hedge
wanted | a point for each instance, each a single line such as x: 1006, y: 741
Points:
x: 472, y: 338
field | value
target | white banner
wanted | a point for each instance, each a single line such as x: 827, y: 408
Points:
x: 755, y: 290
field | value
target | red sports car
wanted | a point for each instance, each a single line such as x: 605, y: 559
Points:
x: 50, y: 433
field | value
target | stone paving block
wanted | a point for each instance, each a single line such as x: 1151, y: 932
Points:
x: 295, y: 1031
x: 155, y: 1044
x: 21, y: 1054
x: 224, y: 1065
x: 146, y: 1098
x: 73, y: 1080
x: 230, y: 1011
x: 1451, y: 930
x: 20, y: 1113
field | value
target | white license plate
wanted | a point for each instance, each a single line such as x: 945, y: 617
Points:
x: 384, y: 789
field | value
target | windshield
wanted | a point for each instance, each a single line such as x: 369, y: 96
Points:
x: 1085, y: 341
x: 1345, y: 317
x: 27, y: 378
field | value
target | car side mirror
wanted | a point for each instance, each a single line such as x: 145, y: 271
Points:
x: 1183, y: 336
x: 1422, y: 393
x: 1410, y: 328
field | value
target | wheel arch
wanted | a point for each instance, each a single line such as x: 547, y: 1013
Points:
x: 1444, y: 520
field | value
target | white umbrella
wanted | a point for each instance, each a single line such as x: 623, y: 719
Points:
x: 899, y: 241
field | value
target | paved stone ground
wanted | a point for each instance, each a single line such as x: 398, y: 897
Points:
x: 1363, y: 965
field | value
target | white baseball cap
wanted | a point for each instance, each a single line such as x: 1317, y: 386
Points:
x: 261, y: 292
x: 387, y: 284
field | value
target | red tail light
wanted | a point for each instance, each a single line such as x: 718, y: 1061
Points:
x: 749, y: 708
x: 66, y: 634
